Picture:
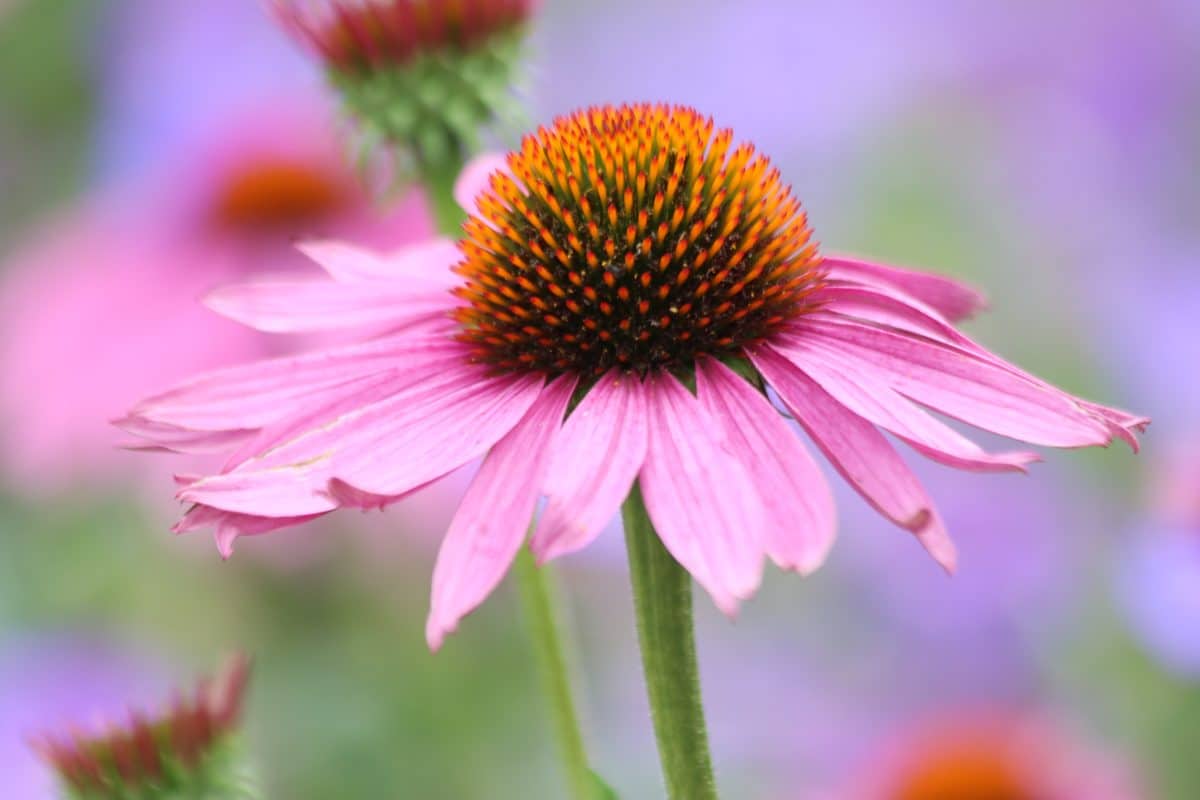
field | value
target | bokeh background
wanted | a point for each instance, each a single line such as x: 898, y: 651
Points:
x: 1048, y: 151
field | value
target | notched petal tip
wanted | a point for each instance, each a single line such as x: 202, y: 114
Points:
x: 436, y: 633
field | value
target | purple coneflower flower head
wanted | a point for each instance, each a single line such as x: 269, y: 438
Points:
x: 997, y: 755
x: 629, y: 284
x: 422, y: 75
x: 187, y: 750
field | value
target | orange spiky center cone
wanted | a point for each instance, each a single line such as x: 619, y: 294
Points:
x: 636, y: 237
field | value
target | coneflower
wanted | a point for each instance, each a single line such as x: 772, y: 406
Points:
x: 424, y: 76
x: 189, y: 750
x: 629, y: 285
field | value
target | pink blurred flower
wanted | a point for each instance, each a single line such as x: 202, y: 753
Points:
x: 693, y: 261
x: 99, y: 307
x: 988, y: 754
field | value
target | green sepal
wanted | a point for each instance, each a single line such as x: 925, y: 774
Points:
x: 432, y: 110
x: 222, y: 773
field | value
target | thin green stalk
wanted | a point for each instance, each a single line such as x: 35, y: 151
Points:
x: 662, y: 599
x: 538, y: 594
x: 439, y: 187
x: 535, y: 583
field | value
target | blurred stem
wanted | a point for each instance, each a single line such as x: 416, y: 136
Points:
x: 662, y: 599
x: 538, y: 594
x: 535, y: 584
x: 439, y: 187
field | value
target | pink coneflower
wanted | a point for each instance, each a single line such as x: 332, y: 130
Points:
x: 100, y: 308
x: 422, y: 75
x: 185, y: 749
x: 629, y: 286
x: 989, y: 755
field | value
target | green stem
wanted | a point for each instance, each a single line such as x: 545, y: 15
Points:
x: 662, y: 599
x: 535, y: 583
x: 439, y: 187
x: 538, y: 594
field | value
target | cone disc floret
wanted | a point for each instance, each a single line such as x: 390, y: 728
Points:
x: 636, y: 237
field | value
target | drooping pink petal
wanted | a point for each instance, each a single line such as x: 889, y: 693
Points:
x: 279, y: 492
x: 299, y: 306
x: 400, y: 447
x: 155, y: 436
x: 950, y: 297
x: 801, y: 519
x: 970, y: 388
x: 372, y: 446
x: 474, y: 178
x: 427, y: 262
x: 702, y: 501
x: 495, y: 513
x: 864, y: 393
x: 1121, y: 424
x: 596, y: 460
x: 229, y: 526
x: 887, y: 306
x: 860, y: 454
x: 252, y: 395
x: 893, y: 310
x: 380, y: 443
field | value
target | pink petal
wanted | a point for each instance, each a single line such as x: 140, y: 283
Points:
x: 299, y: 306
x: 860, y: 453
x: 400, y: 446
x: 864, y: 393
x: 801, y: 519
x: 495, y: 513
x: 949, y: 297
x: 896, y: 311
x: 702, y: 502
x: 173, y: 439
x: 280, y: 492
x: 596, y: 460
x: 385, y: 442
x: 887, y: 306
x: 324, y: 411
x: 970, y: 388
x: 400, y: 439
x: 230, y: 526
x: 252, y: 395
x: 428, y: 261
x: 475, y: 177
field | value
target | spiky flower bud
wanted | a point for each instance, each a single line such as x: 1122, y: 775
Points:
x: 423, y: 76
x: 189, y: 751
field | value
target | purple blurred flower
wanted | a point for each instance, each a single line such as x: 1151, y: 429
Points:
x: 1015, y: 541
x: 174, y: 66
x: 1159, y: 588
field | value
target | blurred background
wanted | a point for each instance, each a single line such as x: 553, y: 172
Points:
x: 1048, y: 152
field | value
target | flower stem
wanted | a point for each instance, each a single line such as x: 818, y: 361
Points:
x: 538, y: 594
x: 662, y: 599
x: 438, y: 181
x: 535, y: 584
